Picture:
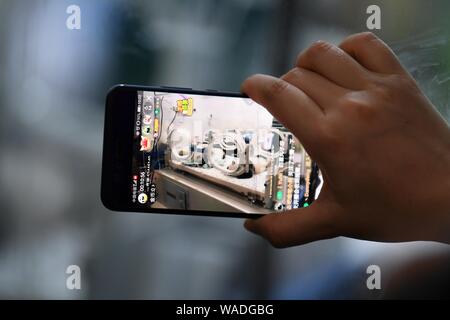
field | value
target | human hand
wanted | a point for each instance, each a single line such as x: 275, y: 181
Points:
x: 383, y: 149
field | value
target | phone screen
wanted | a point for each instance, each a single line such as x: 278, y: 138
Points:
x: 216, y: 153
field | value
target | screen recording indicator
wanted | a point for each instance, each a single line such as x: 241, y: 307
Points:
x: 217, y: 153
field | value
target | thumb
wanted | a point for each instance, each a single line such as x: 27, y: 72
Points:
x: 298, y: 226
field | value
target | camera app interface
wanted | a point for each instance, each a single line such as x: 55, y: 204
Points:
x: 217, y: 153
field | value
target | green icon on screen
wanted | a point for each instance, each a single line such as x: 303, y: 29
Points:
x: 279, y: 195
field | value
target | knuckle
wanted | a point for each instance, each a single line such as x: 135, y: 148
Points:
x: 386, y: 89
x: 391, y: 89
x: 360, y: 106
x: 355, y: 101
x: 401, y: 82
x: 313, y: 52
x: 288, y: 76
x: 365, y: 36
x: 296, y: 77
x: 319, y: 47
x: 360, y: 39
x: 277, y: 87
x: 292, y: 74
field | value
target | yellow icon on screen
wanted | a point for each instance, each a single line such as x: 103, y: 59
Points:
x: 156, y: 125
x: 185, y: 106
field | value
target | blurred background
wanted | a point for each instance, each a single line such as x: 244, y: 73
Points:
x: 53, y: 85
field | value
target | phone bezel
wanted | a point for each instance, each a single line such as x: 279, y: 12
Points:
x: 117, y: 150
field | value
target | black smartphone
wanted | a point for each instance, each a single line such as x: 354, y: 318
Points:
x: 184, y: 151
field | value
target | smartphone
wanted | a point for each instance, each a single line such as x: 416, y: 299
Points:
x: 200, y: 152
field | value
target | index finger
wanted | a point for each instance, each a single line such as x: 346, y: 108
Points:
x: 287, y: 103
